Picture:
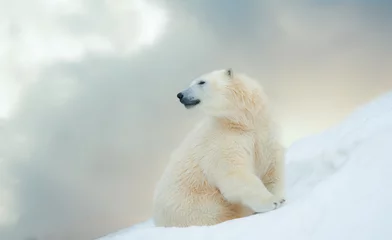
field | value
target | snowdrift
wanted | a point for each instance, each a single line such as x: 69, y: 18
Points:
x: 339, y: 186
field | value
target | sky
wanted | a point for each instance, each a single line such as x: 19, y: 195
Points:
x: 88, y: 108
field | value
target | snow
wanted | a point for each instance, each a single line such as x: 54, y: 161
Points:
x: 339, y: 187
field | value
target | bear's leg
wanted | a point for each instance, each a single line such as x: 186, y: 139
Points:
x: 234, y: 176
x: 274, y: 181
x: 246, y: 188
x: 274, y: 178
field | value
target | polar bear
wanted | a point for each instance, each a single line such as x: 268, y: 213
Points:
x: 231, y: 165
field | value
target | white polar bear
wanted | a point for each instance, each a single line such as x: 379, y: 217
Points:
x: 231, y: 165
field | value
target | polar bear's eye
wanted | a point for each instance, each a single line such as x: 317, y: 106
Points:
x: 201, y: 82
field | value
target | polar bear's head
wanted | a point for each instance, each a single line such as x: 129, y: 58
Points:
x: 222, y: 93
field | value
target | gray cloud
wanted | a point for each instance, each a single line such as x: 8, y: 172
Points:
x: 90, y: 135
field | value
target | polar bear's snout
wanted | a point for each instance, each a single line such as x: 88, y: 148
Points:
x: 187, y: 98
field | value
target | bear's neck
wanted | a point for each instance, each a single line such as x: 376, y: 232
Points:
x: 242, y: 122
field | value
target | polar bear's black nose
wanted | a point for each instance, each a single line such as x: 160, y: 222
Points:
x: 180, y: 96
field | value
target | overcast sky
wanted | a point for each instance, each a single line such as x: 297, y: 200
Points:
x: 88, y: 109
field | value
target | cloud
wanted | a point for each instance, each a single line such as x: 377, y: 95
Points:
x: 95, y: 117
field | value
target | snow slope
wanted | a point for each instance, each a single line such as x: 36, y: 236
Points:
x: 339, y: 187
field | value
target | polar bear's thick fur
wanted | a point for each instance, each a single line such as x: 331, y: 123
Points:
x: 231, y: 165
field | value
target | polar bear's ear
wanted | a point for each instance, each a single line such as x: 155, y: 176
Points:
x: 229, y: 72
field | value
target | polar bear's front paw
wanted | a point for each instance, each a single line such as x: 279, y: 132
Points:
x: 279, y: 203
x: 270, y: 204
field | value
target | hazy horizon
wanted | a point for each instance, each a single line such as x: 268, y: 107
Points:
x: 88, y: 108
